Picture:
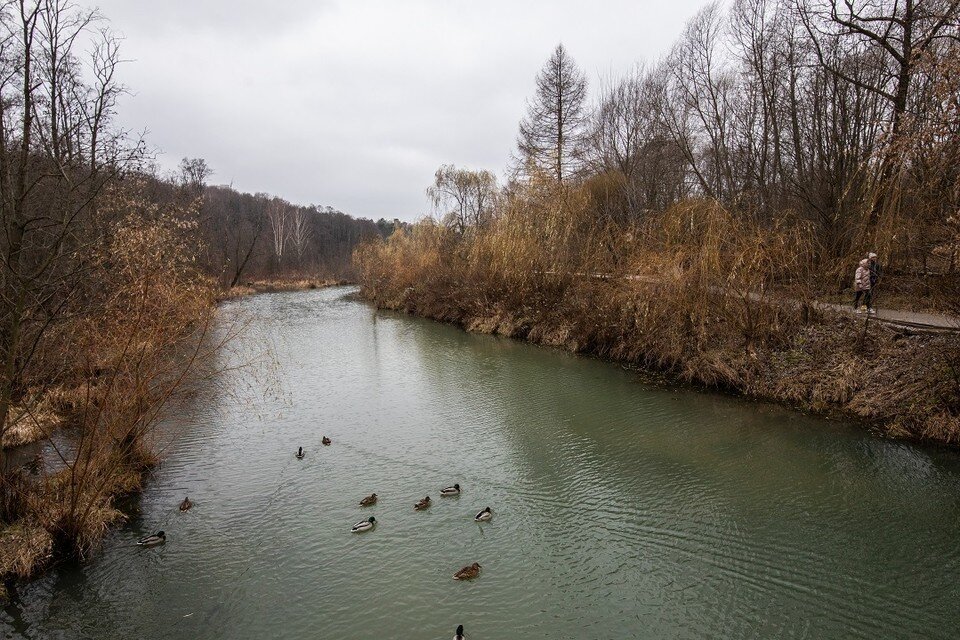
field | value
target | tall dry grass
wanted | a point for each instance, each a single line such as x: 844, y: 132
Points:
x: 694, y: 266
x: 127, y: 346
x: 698, y: 291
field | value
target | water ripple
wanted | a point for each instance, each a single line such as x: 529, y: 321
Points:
x: 620, y: 510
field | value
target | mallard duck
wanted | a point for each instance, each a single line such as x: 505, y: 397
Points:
x: 450, y: 491
x: 459, y: 635
x: 186, y: 504
x: 484, y: 515
x: 151, y: 541
x: 469, y: 572
x: 423, y: 504
x: 364, y: 525
x: 369, y: 500
x: 326, y: 441
x: 300, y: 453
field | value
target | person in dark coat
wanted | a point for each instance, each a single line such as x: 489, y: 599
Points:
x: 875, y: 270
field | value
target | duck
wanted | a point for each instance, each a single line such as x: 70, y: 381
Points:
x: 469, y: 572
x: 423, y: 504
x: 325, y: 441
x: 459, y: 635
x: 151, y: 541
x: 450, y: 491
x: 484, y: 515
x: 300, y: 453
x: 186, y: 504
x: 364, y: 525
x: 369, y: 500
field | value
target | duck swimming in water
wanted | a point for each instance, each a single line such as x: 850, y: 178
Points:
x: 300, y: 453
x: 451, y: 491
x: 484, y: 515
x: 151, y: 541
x: 186, y: 504
x: 423, y: 504
x: 469, y: 572
x: 459, y: 635
x: 364, y: 525
x: 326, y: 441
x: 369, y: 500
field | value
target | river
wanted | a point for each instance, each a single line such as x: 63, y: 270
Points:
x: 622, y: 509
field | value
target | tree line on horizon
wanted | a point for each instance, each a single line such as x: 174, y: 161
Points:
x: 262, y: 236
x: 837, y: 116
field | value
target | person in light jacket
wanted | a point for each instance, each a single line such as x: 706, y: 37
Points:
x: 861, y: 282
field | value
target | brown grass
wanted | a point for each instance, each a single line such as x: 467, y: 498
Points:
x: 698, y: 293
x: 29, y: 424
x: 42, y: 412
x: 108, y: 370
x: 23, y: 548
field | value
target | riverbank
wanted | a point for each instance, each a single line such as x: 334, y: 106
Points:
x: 31, y: 543
x: 90, y: 435
x: 900, y: 385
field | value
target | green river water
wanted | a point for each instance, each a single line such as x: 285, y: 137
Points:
x: 621, y: 509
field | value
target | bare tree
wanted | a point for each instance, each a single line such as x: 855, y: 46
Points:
x: 553, y: 129
x: 901, y: 31
x: 701, y: 109
x: 278, y: 214
x: 464, y: 198
x: 630, y: 145
x: 301, y: 232
x: 57, y: 154
x: 194, y: 173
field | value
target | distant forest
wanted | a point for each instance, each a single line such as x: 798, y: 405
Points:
x: 260, y: 236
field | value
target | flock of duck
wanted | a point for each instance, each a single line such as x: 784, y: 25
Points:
x: 468, y: 572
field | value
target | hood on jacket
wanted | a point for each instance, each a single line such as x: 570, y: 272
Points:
x: 864, y: 263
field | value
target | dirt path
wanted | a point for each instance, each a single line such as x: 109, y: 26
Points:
x: 909, y: 319
x: 913, y: 319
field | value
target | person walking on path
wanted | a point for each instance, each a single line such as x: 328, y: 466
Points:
x: 875, y: 271
x: 862, y: 284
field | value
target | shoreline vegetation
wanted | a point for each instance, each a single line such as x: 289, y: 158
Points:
x: 112, y: 272
x: 55, y: 416
x: 891, y: 381
x: 39, y: 417
x: 58, y: 418
x: 757, y: 162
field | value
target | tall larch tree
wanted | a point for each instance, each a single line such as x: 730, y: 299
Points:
x: 552, y: 132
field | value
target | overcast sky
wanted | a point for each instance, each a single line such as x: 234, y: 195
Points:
x: 355, y: 103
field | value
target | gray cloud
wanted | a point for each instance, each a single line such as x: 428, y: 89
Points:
x: 355, y: 103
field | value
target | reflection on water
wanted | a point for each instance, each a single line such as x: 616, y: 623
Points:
x: 621, y: 510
